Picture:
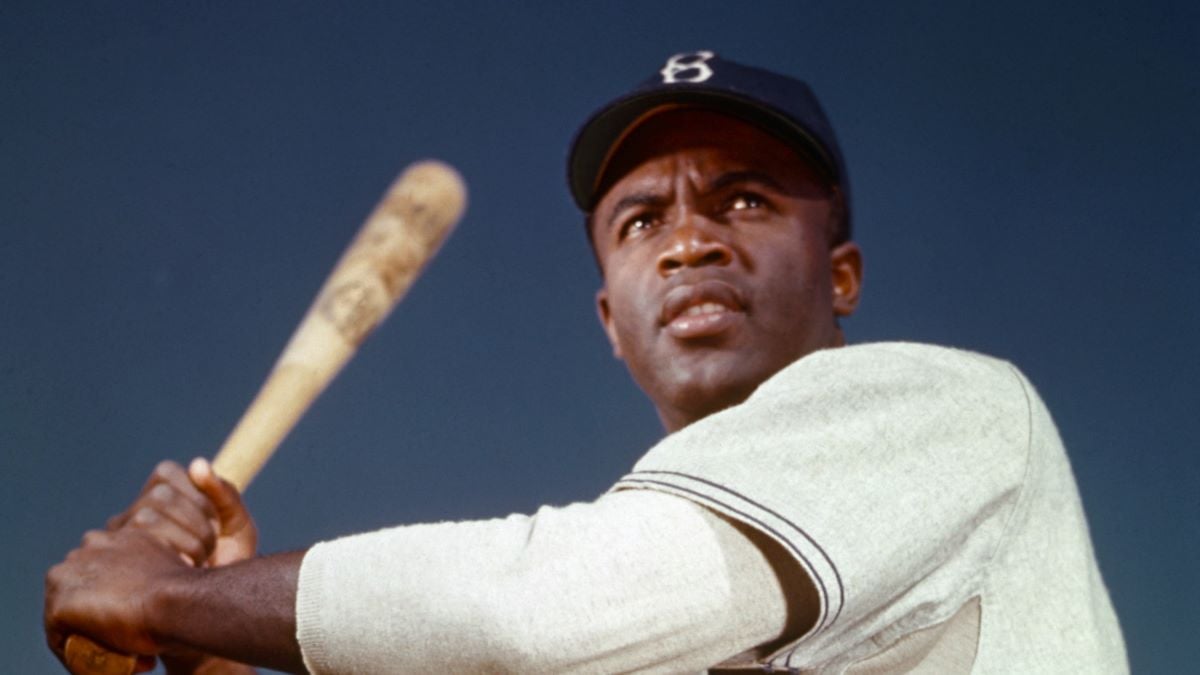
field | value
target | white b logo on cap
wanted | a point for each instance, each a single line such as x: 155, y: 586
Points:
x: 691, y: 67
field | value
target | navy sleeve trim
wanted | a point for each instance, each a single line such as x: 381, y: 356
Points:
x: 741, y: 506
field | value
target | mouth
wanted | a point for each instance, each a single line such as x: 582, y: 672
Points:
x: 703, y: 309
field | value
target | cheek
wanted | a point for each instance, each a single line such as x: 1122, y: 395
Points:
x: 633, y: 312
x: 799, y: 291
x: 629, y: 308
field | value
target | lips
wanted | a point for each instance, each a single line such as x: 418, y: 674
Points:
x: 702, y: 309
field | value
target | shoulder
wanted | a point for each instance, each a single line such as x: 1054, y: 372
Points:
x: 908, y: 370
x: 891, y: 358
x: 866, y: 403
x: 870, y: 465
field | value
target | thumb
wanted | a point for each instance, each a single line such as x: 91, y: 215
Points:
x: 231, y: 512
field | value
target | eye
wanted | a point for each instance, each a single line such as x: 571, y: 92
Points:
x: 744, y: 201
x: 638, y: 223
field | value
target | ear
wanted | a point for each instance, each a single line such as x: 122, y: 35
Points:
x: 846, y: 268
x: 606, y: 320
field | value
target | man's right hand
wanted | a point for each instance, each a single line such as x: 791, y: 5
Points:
x: 204, y: 519
x: 194, y: 512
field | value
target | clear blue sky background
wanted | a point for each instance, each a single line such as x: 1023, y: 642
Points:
x: 177, y: 178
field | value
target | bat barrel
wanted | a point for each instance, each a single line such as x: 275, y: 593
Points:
x: 394, y: 244
x: 375, y: 272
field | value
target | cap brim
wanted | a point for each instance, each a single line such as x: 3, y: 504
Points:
x: 601, y: 135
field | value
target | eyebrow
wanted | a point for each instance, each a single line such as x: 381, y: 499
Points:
x: 636, y: 199
x: 738, y: 177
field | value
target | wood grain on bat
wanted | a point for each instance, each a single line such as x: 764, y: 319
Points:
x: 376, y: 270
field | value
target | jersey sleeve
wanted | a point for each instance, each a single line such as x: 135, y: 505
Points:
x: 887, y: 473
x: 634, y: 582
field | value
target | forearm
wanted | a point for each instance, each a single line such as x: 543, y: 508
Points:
x: 245, y: 611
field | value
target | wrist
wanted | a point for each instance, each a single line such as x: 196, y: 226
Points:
x: 167, y: 607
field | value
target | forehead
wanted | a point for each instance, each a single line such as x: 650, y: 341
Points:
x: 712, y: 143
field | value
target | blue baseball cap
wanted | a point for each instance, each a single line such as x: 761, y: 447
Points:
x: 779, y: 104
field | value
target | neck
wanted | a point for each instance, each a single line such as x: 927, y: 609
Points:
x: 675, y: 417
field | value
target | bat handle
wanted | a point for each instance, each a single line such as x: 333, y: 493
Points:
x: 85, y: 657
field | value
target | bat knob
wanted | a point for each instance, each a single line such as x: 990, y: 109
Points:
x: 85, y: 657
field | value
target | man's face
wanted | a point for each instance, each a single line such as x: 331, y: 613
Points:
x: 713, y: 237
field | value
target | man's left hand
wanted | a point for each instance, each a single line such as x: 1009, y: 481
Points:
x: 107, y: 589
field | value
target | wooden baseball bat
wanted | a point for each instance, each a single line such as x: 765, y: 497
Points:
x: 385, y: 257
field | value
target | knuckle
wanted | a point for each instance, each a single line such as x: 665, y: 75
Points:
x: 94, y: 538
x: 197, y: 550
x: 165, y: 469
x: 161, y: 492
x: 51, y: 580
x: 145, y: 516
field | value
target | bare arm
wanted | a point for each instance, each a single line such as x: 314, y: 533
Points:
x: 245, y: 611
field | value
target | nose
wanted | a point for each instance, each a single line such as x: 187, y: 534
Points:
x: 692, y: 245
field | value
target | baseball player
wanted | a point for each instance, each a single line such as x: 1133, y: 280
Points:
x: 815, y: 507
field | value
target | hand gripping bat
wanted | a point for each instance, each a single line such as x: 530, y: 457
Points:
x: 385, y: 257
